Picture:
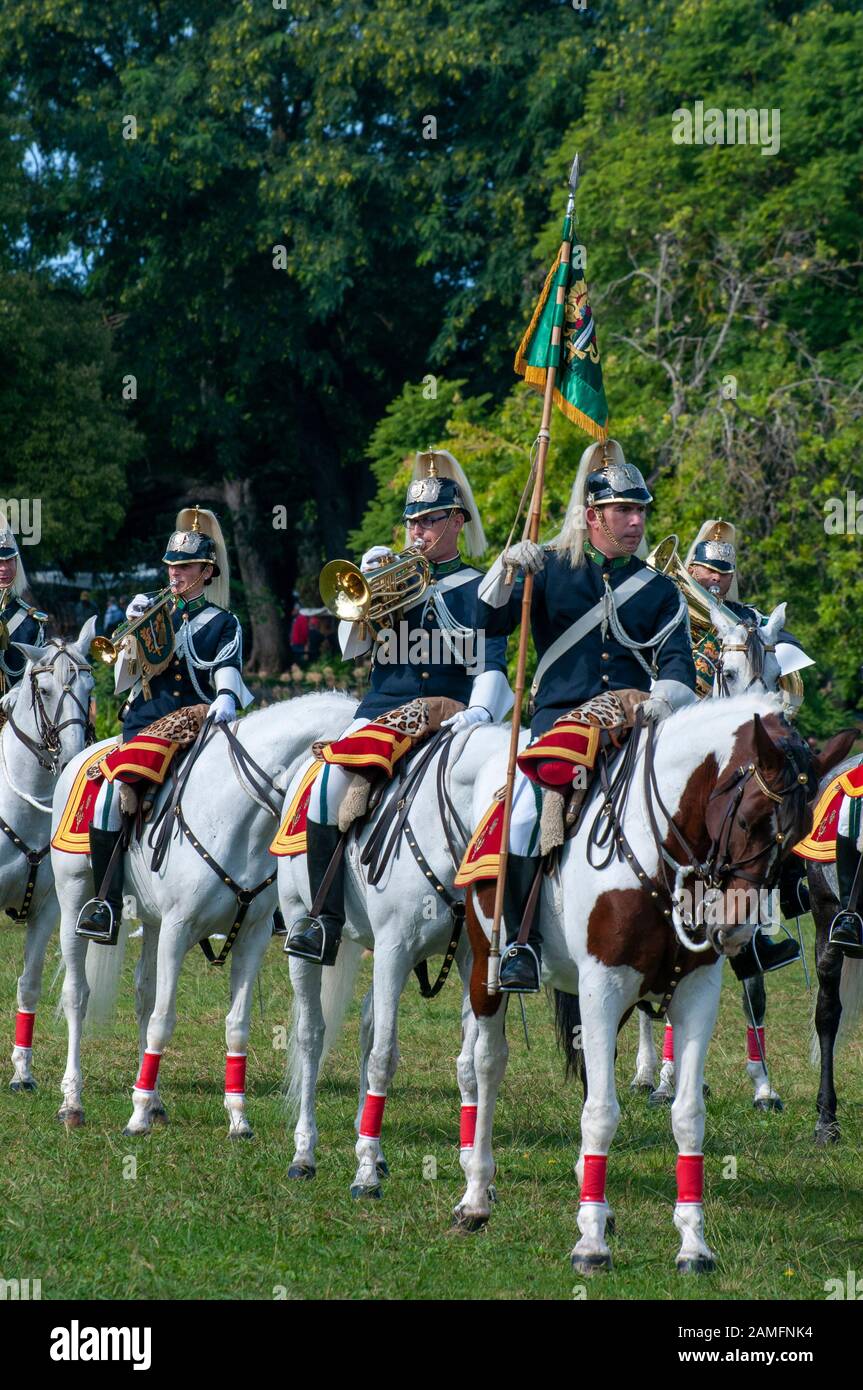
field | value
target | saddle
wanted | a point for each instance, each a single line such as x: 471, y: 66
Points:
x: 613, y: 712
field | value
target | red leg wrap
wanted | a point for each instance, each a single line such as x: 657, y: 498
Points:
x: 373, y: 1114
x: 24, y: 1029
x: 235, y: 1074
x: 752, y: 1036
x: 690, y: 1177
x: 593, y: 1183
x: 467, y: 1126
x: 668, y: 1044
x: 149, y: 1073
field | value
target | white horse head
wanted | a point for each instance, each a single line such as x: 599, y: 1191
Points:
x: 747, y: 661
x: 52, y: 705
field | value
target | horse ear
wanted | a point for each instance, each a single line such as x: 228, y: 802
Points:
x: 768, y: 755
x: 85, y: 637
x: 32, y: 653
x: 774, y: 625
x: 835, y: 750
x: 723, y: 626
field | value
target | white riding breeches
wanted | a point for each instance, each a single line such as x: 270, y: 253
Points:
x: 526, y: 812
x: 106, y: 813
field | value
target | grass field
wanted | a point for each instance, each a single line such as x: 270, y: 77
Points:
x: 209, y: 1218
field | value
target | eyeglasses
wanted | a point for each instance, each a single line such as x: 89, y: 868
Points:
x: 426, y: 521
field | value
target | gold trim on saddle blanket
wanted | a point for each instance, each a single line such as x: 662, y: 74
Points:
x: 823, y: 850
x: 66, y: 837
x: 291, y: 836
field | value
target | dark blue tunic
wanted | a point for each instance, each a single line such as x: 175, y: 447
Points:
x: 562, y: 595
x: 175, y: 687
x: 30, y: 629
x: 417, y: 634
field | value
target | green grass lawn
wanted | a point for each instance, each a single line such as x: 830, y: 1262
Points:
x: 210, y: 1218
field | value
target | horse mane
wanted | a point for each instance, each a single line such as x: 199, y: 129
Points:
x: 304, y: 701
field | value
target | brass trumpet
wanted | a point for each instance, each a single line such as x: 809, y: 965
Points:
x: 107, y: 649
x: 354, y: 597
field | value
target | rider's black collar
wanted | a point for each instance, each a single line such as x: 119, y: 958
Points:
x: 446, y: 567
x: 188, y: 607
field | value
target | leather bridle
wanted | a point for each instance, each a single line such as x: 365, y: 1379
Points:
x: 49, y: 727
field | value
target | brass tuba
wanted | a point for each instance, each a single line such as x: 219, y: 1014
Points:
x: 355, y: 597
x: 665, y: 559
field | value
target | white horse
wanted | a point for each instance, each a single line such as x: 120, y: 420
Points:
x: 608, y: 939
x: 747, y: 663
x: 188, y: 897
x: 48, y: 716
x: 405, y: 920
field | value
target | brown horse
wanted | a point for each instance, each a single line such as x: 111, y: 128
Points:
x: 703, y: 811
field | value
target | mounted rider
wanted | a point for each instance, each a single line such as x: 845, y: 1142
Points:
x: 183, y: 665
x: 610, y: 633
x: 433, y: 668
x: 712, y: 562
x: 18, y: 621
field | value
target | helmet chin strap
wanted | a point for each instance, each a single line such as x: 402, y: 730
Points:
x: 427, y: 552
x: 603, y: 525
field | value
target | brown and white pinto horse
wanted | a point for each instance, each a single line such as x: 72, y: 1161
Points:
x: 718, y: 793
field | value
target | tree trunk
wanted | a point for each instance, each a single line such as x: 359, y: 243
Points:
x: 270, y: 630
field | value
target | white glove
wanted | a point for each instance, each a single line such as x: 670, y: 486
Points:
x: 222, y: 709
x: 464, y: 718
x: 374, y: 558
x: 526, y: 555
x: 666, y: 697
x: 140, y: 603
x: 655, y: 708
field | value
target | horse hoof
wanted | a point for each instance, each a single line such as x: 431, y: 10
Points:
x: 696, y: 1264
x: 19, y: 1086
x: 242, y: 1134
x: 135, y: 1133
x: 827, y: 1134
x: 72, y: 1119
x: 468, y: 1225
x: 358, y: 1191
x: 302, y: 1170
x: 383, y: 1168
x: 590, y: 1264
x: 642, y: 1087
x: 657, y: 1098
x: 768, y: 1103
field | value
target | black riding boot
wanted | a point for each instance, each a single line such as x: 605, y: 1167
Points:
x: 99, y: 919
x: 317, y: 938
x: 520, y: 966
x: 763, y: 954
x: 846, y: 929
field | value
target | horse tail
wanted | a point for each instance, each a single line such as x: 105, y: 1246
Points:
x: 104, y: 966
x: 567, y: 1027
x: 850, y: 997
x: 337, y: 990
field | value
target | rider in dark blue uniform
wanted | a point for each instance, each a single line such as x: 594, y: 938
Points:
x: 435, y: 647
x: 602, y: 621
x: 18, y: 621
x: 190, y: 653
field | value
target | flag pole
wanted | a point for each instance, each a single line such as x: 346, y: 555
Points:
x: 544, y: 439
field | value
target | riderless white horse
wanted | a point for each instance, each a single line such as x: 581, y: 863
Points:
x: 404, y: 916
x: 216, y: 869
x: 741, y: 667
x: 46, y: 726
x: 719, y: 776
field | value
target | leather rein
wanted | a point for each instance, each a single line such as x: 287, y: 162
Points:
x: 715, y: 869
x: 49, y: 730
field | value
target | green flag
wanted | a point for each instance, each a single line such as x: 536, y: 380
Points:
x: 578, y: 387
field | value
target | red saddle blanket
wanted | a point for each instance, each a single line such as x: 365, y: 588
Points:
x: 820, y: 843
x: 144, y: 756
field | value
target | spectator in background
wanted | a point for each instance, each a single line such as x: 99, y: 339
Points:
x: 114, y: 615
x: 299, y: 634
x: 85, y: 608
